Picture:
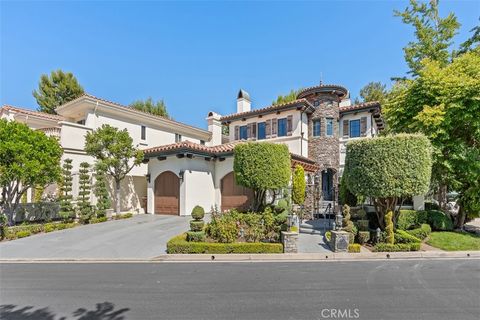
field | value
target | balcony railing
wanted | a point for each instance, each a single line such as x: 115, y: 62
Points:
x: 51, y: 132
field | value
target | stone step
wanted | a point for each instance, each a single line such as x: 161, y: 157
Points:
x: 311, y: 231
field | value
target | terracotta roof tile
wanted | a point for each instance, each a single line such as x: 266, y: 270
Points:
x: 33, y: 113
x: 305, y: 91
x: 266, y: 109
x: 364, y: 105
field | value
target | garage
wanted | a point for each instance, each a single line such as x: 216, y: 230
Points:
x: 234, y: 196
x: 167, y: 193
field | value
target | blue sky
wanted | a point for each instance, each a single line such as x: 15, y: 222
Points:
x: 196, y: 55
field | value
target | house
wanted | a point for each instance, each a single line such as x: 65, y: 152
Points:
x: 315, y: 127
x: 87, y: 113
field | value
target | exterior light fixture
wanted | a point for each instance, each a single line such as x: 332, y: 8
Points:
x: 148, y: 177
x: 181, y: 174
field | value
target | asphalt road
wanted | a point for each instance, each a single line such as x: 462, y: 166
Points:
x: 423, y: 289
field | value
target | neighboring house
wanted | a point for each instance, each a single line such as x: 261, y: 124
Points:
x: 309, y: 126
x: 88, y: 113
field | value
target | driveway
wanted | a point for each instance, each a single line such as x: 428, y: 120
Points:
x: 141, y: 237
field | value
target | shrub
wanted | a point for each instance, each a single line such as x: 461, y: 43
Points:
x: 362, y: 225
x: 261, y: 166
x: 198, y: 213
x: 49, y: 227
x: 359, y: 214
x: 122, y: 216
x: 196, y: 225
x: 390, y: 238
x: 223, y: 228
x: 408, y: 219
x: 100, y: 190
x: 282, y: 206
x: 363, y: 237
x: 83, y: 201
x: 354, y: 248
x: 294, y: 229
x: 402, y: 236
x: 328, y: 235
x: 100, y: 219
x: 66, y: 208
x: 439, y: 220
x: 196, y: 236
x: 387, y: 247
x: 422, y: 232
x: 401, y: 167
x: 298, y: 185
x: 345, y: 195
x: 179, y: 244
x: 23, y: 234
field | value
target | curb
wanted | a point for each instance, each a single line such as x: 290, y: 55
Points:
x: 285, y: 257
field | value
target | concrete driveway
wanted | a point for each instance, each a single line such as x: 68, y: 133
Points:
x: 141, y: 237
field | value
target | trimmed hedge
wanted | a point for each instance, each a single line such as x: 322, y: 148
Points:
x: 400, y: 247
x: 122, y: 216
x: 362, y: 225
x: 23, y: 234
x: 195, y: 236
x: 363, y: 237
x: 422, y: 232
x: 354, y: 248
x: 408, y: 219
x: 197, y: 225
x: 439, y: 221
x: 98, y: 220
x: 402, y: 236
x: 179, y: 244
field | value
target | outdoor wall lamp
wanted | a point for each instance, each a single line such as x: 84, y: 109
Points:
x: 148, y: 177
x: 181, y: 174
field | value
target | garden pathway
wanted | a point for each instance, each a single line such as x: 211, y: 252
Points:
x: 311, y: 239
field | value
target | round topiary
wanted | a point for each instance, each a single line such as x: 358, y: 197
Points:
x: 196, y: 225
x: 198, y: 213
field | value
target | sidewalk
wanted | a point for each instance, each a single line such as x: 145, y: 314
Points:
x: 293, y: 257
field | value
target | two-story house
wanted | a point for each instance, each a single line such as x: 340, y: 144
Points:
x: 315, y: 127
x: 88, y: 113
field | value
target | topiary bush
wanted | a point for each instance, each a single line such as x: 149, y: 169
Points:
x: 198, y: 213
x: 387, y: 247
x: 408, y: 219
x: 363, y: 237
x: 298, y: 185
x: 362, y: 225
x: 439, y: 220
x: 359, y: 214
x: 196, y: 236
x: 421, y: 233
x: 196, y: 225
x: 390, y: 237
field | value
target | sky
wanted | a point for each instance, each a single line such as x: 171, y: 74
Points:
x: 197, y: 55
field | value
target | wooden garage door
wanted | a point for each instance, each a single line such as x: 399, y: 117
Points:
x: 167, y: 193
x: 233, y: 195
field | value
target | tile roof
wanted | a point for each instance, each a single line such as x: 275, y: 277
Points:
x: 135, y: 110
x: 364, y: 105
x: 306, y: 91
x: 33, y: 113
x: 185, y: 146
x: 271, y: 108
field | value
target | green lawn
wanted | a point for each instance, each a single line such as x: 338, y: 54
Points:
x: 454, y: 241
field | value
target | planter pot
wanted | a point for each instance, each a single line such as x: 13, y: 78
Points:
x: 109, y: 213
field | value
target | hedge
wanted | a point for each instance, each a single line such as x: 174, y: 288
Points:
x: 354, y: 248
x: 399, y: 247
x: 402, y: 236
x: 408, y: 219
x: 439, y: 220
x: 422, y: 232
x: 179, y: 244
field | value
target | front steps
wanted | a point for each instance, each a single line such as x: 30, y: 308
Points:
x: 316, y: 226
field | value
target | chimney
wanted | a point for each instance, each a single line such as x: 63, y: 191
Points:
x: 243, y: 101
x: 215, y: 127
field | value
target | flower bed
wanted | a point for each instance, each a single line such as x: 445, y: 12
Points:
x: 179, y: 244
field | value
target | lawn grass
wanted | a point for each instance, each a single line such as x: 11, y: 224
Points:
x: 454, y: 241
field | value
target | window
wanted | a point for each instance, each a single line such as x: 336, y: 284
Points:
x: 316, y: 103
x: 243, y: 133
x: 354, y: 128
x: 81, y: 121
x: 178, y: 137
x: 329, y: 127
x: 261, y: 133
x: 202, y: 142
x: 282, y: 127
x: 143, y: 134
x: 316, y: 128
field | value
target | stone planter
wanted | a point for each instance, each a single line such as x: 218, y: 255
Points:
x: 339, y: 241
x: 289, y: 241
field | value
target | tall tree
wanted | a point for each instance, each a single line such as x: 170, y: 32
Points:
x: 434, y: 34
x: 298, y: 185
x: 157, y: 108
x: 443, y: 102
x: 28, y: 158
x: 471, y: 43
x: 56, y: 89
x: 291, y: 96
x: 114, y: 148
x: 373, y: 91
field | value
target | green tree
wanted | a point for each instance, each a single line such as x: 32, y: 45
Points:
x: 114, y: 148
x: 390, y: 238
x: 373, y: 91
x: 434, y: 34
x: 67, y: 211
x: 443, y: 102
x: 38, y: 193
x: 101, y: 190
x: 56, y: 89
x: 388, y: 169
x: 263, y: 167
x: 471, y: 43
x: 157, y: 108
x: 291, y: 96
x: 28, y: 158
x: 298, y: 185
x: 83, y: 200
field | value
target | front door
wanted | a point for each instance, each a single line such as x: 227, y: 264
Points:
x: 327, y: 185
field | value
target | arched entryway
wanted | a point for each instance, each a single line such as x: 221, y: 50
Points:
x: 327, y: 184
x: 167, y: 193
x: 234, y: 196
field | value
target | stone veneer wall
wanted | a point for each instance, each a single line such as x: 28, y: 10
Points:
x: 325, y: 150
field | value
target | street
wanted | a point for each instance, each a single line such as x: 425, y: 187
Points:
x: 408, y: 289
